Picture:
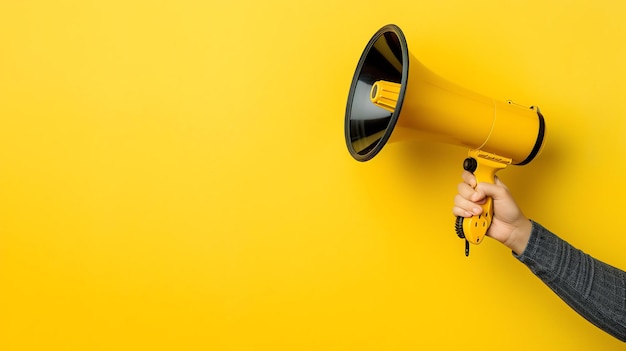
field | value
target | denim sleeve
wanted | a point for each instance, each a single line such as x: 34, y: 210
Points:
x: 596, y: 290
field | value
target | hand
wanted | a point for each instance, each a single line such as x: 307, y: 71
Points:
x: 509, y: 225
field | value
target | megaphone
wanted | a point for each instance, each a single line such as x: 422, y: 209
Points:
x: 393, y: 97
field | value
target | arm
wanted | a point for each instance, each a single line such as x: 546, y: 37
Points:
x: 597, y: 291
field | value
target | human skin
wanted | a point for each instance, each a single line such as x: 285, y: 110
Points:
x: 509, y: 225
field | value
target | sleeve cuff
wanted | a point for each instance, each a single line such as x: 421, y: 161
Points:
x: 541, y: 247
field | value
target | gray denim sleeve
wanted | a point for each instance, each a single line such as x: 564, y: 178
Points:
x: 596, y: 290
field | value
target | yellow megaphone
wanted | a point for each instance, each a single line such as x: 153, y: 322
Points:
x: 393, y: 96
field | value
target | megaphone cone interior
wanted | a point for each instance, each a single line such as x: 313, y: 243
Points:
x: 393, y: 95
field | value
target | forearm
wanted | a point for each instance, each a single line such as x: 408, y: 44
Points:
x: 595, y: 290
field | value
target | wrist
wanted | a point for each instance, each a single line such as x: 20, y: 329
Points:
x: 518, y: 240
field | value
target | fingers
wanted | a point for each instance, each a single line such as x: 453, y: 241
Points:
x: 471, y: 195
x: 469, y: 179
x: 467, y: 202
x: 469, y: 188
x: 496, y: 191
x: 465, y: 208
x: 481, y: 190
x: 468, y: 192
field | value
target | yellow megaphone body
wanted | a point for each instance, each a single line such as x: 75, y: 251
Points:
x: 393, y: 97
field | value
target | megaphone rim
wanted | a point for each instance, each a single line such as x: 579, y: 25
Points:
x: 389, y: 28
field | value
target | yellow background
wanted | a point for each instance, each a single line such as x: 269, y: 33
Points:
x: 173, y: 176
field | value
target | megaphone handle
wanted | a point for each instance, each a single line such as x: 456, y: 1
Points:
x: 484, y: 166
